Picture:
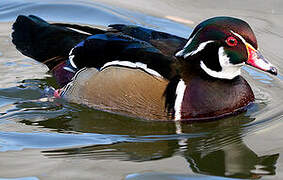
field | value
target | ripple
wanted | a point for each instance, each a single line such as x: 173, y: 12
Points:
x: 260, y: 76
x: 19, y: 141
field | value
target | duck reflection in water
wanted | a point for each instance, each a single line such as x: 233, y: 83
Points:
x: 214, y: 148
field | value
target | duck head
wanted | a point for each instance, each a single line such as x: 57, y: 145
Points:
x: 209, y: 84
x: 221, y: 46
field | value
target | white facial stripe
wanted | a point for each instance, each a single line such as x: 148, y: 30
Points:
x: 181, y: 52
x: 200, y: 47
x: 190, y: 40
x: 180, y: 90
x: 242, y: 39
x: 239, y: 36
x: 263, y: 64
x: 228, y: 71
x: 131, y: 65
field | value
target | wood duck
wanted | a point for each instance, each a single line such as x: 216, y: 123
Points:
x: 145, y: 73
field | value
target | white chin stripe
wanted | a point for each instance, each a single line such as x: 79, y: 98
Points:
x: 180, y: 90
x: 228, y: 71
x: 239, y: 36
x: 137, y: 65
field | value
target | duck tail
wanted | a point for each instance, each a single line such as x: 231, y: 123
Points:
x: 43, y: 41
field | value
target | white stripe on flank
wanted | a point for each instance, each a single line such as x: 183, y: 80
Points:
x: 131, y: 65
x: 180, y: 90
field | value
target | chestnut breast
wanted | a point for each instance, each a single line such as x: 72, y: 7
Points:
x: 208, y: 99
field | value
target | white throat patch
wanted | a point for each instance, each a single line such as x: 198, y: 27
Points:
x: 228, y: 71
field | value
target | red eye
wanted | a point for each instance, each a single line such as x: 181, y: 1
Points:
x: 231, y: 41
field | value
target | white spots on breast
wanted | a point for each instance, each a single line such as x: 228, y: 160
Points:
x: 180, y: 90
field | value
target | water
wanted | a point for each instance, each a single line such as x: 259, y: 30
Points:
x: 43, y: 138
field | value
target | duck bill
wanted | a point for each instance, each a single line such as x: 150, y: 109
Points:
x: 256, y: 60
